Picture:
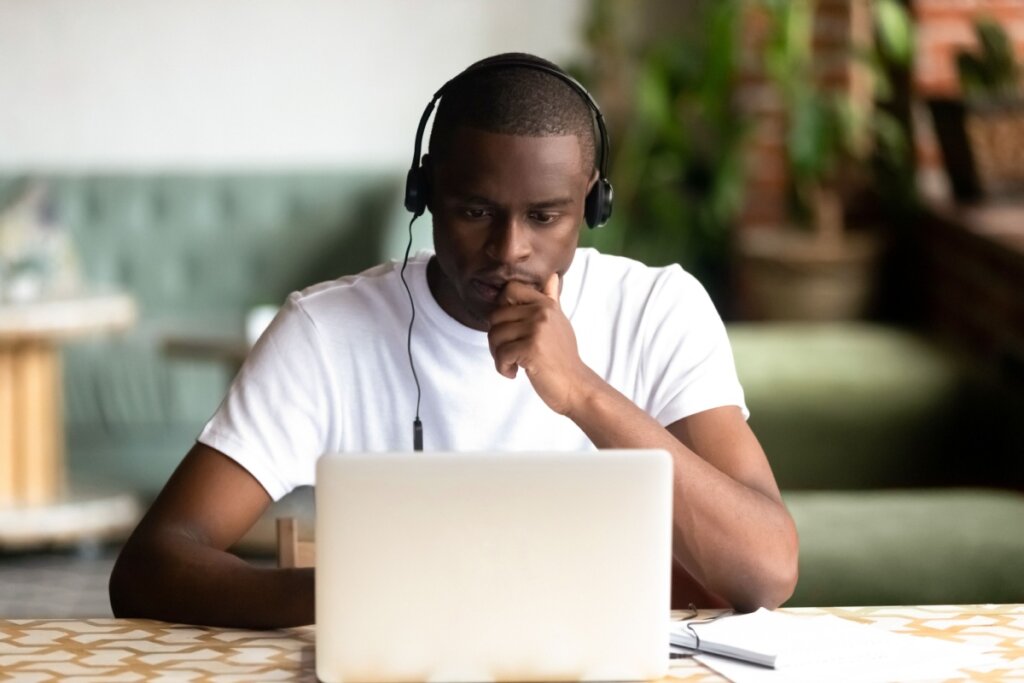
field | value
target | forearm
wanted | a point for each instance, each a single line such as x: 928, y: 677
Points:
x: 182, y: 580
x: 737, y: 542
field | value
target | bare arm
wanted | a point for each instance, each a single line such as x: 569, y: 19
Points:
x: 732, y: 533
x: 175, y: 567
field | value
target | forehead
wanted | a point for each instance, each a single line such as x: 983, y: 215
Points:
x: 495, y: 165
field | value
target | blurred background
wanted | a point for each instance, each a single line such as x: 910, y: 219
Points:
x: 846, y: 177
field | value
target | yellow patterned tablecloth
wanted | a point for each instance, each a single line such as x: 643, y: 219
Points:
x: 111, y: 650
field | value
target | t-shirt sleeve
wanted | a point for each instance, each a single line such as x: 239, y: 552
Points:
x: 687, y: 362
x: 275, y: 419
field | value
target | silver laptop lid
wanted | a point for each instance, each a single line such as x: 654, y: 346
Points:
x: 493, y: 566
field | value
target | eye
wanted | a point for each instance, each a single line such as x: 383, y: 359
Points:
x: 474, y: 213
x: 544, y: 217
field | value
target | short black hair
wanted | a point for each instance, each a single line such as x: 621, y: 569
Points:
x: 515, y: 100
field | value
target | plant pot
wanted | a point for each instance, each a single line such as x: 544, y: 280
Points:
x: 982, y: 144
x: 787, y: 274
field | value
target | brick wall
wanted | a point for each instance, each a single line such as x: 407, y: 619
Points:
x: 765, y: 169
x: 837, y: 24
x: 943, y: 27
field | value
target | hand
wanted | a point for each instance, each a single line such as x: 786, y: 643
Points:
x: 529, y: 330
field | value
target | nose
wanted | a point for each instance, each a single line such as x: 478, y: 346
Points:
x: 508, y: 241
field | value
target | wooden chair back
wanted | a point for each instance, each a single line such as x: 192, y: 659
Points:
x: 291, y: 552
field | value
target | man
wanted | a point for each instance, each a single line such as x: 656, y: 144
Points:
x: 522, y: 342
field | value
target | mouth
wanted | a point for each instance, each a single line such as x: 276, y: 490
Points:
x: 487, y: 290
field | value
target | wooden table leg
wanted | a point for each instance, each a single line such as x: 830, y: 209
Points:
x: 8, y: 442
x: 32, y: 448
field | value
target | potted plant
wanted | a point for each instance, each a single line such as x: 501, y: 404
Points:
x: 815, y: 268
x: 665, y: 74
x: 982, y: 133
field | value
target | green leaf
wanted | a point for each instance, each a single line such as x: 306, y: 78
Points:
x: 895, y: 30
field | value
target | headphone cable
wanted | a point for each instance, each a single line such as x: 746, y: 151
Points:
x: 417, y: 426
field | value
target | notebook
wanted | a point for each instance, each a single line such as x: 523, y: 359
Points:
x: 493, y: 566
x: 792, y: 648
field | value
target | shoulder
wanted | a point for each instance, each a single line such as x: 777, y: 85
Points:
x: 374, y: 291
x: 630, y: 280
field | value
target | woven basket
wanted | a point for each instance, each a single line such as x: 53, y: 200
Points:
x: 982, y: 146
x: 996, y: 137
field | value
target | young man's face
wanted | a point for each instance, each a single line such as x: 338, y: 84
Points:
x: 505, y: 207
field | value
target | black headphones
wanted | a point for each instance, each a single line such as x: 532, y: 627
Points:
x: 598, y: 206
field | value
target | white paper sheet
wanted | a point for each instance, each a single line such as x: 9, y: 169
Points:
x: 820, y: 648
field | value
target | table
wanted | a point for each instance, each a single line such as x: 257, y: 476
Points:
x: 972, y: 281
x: 134, y: 650
x: 31, y: 416
x: 36, y: 503
x: 229, y: 350
x: 1000, y: 222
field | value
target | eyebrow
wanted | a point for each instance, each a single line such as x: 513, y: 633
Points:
x: 554, y: 203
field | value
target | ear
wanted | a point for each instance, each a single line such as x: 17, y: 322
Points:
x: 593, y: 179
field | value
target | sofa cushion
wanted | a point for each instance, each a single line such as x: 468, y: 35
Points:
x: 859, y: 406
x: 903, y: 547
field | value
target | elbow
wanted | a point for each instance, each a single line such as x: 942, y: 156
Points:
x: 125, y: 589
x: 119, y: 603
x: 118, y: 589
x: 777, y: 577
x: 770, y: 594
x: 779, y: 586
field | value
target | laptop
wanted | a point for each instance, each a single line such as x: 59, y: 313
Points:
x: 493, y: 566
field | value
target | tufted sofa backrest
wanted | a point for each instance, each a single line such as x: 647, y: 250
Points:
x: 219, y: 243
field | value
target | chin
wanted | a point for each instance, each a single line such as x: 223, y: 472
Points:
x: 481, y: 313
x: 478, y: 311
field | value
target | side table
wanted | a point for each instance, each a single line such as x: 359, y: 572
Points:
x: 35, y: 501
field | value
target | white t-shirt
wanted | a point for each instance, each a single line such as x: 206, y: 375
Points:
x: 331, y: 373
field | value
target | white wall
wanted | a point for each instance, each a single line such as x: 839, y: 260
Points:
x: 244, y: 83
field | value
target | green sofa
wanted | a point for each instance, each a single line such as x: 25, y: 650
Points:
x: 895, y: 458
x: 197, y: 251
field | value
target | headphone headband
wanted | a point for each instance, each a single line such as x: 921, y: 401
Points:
x: 599, y: 201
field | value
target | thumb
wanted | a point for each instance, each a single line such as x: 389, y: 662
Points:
x: 551, y: 287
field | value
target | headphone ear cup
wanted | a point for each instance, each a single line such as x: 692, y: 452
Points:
x: 416, y: 191
x: 598, y: 206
